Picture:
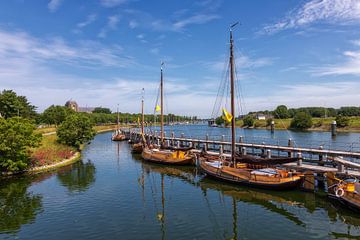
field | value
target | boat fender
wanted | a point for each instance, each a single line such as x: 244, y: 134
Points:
x: 339, y: 192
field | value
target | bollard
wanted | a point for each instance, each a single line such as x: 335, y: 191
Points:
x: 321, y: 158
x: 290, y: 144
x: 178, y: 144
x: 299, y: 155
x: 268, y: 153
x: 272, y: 127
x: 333, y: 128
x: 190, y: 144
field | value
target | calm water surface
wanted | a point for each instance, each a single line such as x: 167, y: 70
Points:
x: 112, y: 194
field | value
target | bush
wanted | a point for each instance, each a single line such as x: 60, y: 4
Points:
x: 281, y: 112
x: 268, y: 121
x: 342, y: 121
x: 76, y: 130
x: 249, y: 121
x: 301, y: 120
x: 16, y: 137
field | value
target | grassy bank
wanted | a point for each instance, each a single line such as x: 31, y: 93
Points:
x: 319, y: 124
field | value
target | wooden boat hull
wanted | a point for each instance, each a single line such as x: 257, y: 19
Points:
x: 244, y: 177
x: 349, y: 199
x: 166, y: 157
x: 137, y: 148
x: 118, y: 137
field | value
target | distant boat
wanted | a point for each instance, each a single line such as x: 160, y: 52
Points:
x: 256, y: 171
x: 118, y: 135
x: 137, y: 147
x: 158, y: 154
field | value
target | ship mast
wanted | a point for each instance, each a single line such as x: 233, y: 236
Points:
x: 117, y: 116
x: 142, y: 112
x: 232, y: 94
x: 161, y: 105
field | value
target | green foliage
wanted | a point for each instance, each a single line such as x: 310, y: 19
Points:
x: 249, y: 120
x: 16, y: 137
x: 281, y: 112
x: 12, y: 105
x: 219, y: 121
x: 56, y: 114
x: 102, y: 110
x: 342, y: 121
x: 349, y: 111
x: 268, y: 121
x: 301, y: 120
x: 76, y: 130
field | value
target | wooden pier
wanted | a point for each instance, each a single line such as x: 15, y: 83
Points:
x: 318, y: 160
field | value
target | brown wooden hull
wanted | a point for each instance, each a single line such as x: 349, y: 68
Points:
x: 166, y: 157
x: 137, y: 148
x: 350, y: 200
x: 118, y: 137
x: 244, y: 177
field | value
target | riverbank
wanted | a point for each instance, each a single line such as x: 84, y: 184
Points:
x: 319, y: 124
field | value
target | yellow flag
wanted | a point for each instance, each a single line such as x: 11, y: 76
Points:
x: 226, y: 115
x: 138, y: 120
x: 157, y: 108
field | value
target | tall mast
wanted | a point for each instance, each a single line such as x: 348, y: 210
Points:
x: 142, y: 111
x: 232, y: 88
x: 162, y: 104
x: 117, y: 116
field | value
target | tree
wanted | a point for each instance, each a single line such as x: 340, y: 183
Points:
x: 342, y: 121
x: 16, y: 138
x: 301, y: 120
x: 56, y: 114
x: 249, y: 121
x: 102, y: 110
x: 12, y: 105
x: 76, y: 130
x: 281, y: 112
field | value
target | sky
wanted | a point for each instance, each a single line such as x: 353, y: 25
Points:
x: 103, y: 52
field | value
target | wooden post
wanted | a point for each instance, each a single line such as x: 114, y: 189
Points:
x: 178, y: 144
x: 321, y: 158
x: 290, y: 144
x: 341, y: 168
x: 206, y: 146
x: 222, y: 140
x: 272, y: 127
x: 172, y: 138
x: 268, y: 153
x: 241, y: 140
x: 263, y: 149
x: 299, y: 163
x: 243, y: 150
x: 221, y: 150
x: 182, y: 142
x: 333, y: 128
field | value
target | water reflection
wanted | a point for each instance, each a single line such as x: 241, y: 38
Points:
x: 18, y: 206
x: 77, y: 177
x: 305, y: 210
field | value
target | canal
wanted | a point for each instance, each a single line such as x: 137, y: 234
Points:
x: 112, y: 194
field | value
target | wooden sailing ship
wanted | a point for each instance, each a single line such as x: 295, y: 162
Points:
x: 118, y: 135
x: 243, y: 169
x: 137, y: 146
x: 346, y: 191
x: 159, y: 154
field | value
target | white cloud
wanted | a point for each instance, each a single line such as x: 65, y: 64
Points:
x: 341, y: 12
x: 351, y: 66
x: 90, y: 19
x: 53, y: 5
x: 112, y: 3
x: 111, y: 25
x: 133, y: 24
x: 195, y: 19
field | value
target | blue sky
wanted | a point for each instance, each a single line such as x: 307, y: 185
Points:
x: 102, y: 52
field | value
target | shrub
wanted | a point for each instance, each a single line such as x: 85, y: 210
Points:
x: 76, y: 130
x: 249, y: 121
x: 301, y: 120
x: 342, y: 121
x: 16, y: 138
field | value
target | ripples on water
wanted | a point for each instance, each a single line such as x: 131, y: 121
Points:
x: 112, y: 194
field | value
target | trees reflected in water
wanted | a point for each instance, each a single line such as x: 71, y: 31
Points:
x: 18, y: 206
x: 78, y: 177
